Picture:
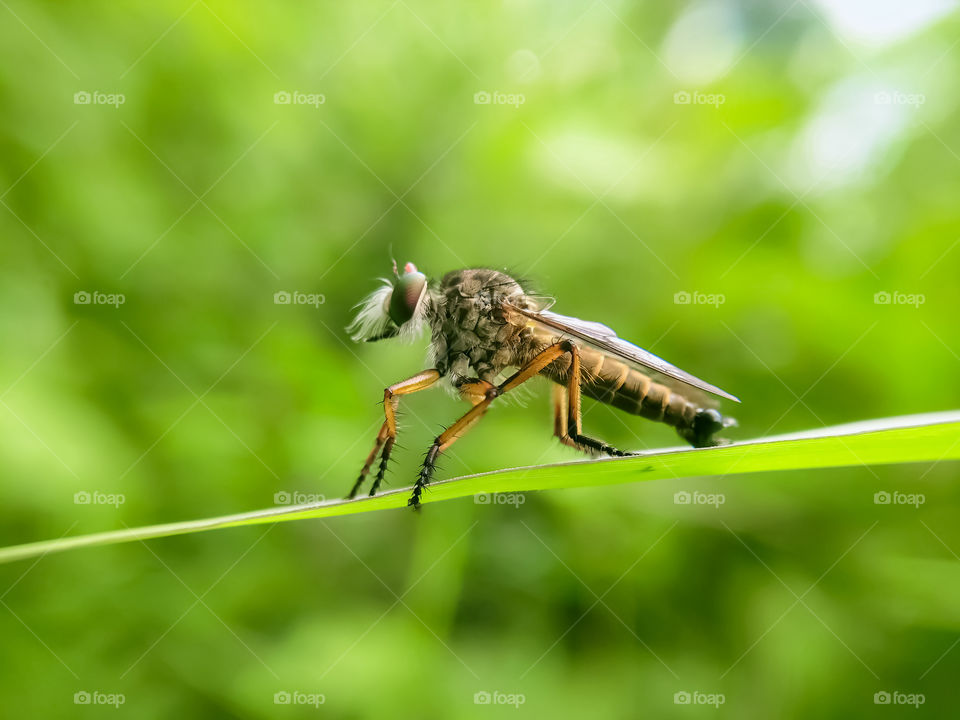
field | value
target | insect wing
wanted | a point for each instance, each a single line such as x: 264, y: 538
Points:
x: 604, y: 338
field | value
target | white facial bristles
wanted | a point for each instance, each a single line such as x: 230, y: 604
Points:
x: 373, y: 318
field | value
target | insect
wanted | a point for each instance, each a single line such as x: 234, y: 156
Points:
x: 483, y: 324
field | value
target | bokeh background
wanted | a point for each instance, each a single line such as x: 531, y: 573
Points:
x: 790, y: 168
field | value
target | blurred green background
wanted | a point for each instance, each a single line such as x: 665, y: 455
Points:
x: 782, y: 163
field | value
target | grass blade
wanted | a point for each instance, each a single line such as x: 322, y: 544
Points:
x: 907, y: 439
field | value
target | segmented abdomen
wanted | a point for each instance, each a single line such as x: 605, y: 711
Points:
x: 614, y: 382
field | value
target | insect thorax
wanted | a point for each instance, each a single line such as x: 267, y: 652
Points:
x: 469, y: 328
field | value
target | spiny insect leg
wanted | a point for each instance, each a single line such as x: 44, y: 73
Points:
x: 381, y: 438
x: 388, y: 431
x: 466, y: 421
x: 573, y: 435
x: 384, y: 459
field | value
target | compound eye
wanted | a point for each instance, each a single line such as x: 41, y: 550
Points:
x: 407, y: 292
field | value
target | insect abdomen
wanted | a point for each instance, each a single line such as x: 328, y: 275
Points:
x: 609, y: 380
x: 614, y: 382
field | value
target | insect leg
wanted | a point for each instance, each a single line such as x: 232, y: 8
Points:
x: 455, y: 431
x: 474, y: 391
x: 560, y: 417
x: 574, y: 420
x: 388, y: 431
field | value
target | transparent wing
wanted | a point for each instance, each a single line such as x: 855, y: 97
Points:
x: 604, y: 338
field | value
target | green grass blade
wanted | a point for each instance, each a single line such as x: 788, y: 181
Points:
x: 906, y: 439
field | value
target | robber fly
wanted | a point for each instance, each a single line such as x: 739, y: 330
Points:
x: 484, y: 324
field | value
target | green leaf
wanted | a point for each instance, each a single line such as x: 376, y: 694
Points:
x: 915, y: 438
